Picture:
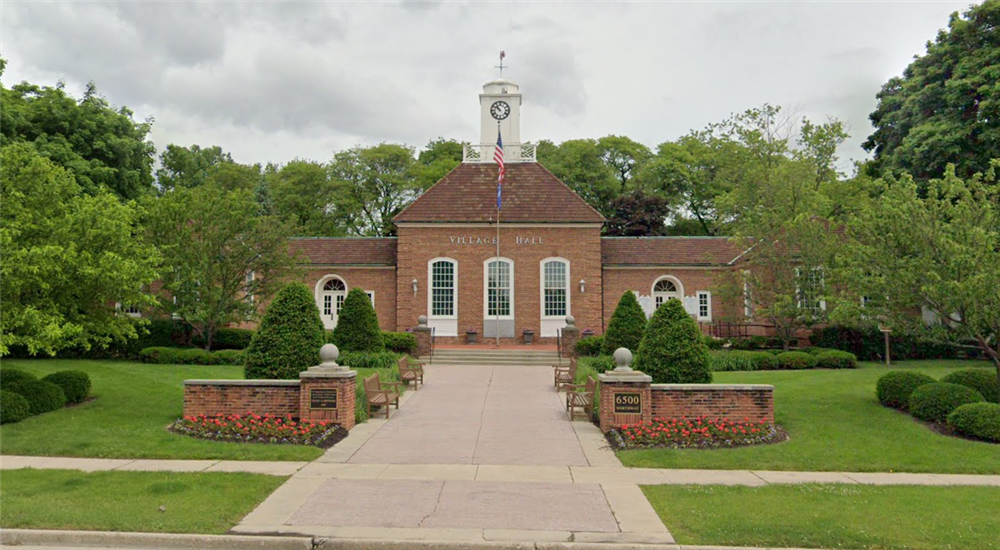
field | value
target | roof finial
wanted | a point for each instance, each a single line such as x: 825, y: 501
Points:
x: 501, y: 66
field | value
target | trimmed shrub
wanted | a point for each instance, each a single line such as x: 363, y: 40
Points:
x: 400, y: 342
x: 602, y: 363
x: 740, y: 360
x: 816, y: 351
x: 195, y: 356
x: 712, y: 343
x: 589, y: 346
x: 357, y: 325
x: 74, y: 383
x: 42, y: 396
x: 231, y: 338
x: 979, y: 420
x: 983, y: 381
x: 13, y: 376
x: 836, y: 359
x: 160, y: 355
x: 368, y: 360
x: 626, y: 327
x: 934, y: 402
x: 672, y: 350
x: 894, y: 388
x: 228, y: 357
x: 868, y: 344
x: 289, y: 337
x: 13, y: 407
x: 796, y: 360
x: 757, y: 342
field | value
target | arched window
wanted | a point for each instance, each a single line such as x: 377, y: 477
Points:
x: 499, y: 288
x: 666, y: 288
x: 330, y: 294
x: 442, y: 296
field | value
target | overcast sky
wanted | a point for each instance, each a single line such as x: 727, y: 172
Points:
x: 276, y: 81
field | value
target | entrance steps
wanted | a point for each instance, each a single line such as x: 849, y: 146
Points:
x: 492, y: 357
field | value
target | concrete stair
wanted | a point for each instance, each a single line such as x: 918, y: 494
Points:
x: 492, y: 357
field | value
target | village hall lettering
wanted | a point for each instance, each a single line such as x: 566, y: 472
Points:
x: 470, y: 240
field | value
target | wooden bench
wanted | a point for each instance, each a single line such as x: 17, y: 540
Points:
x: 379, y: 397
x: 582, y: 401
x: 563, y: 375
x: 411, y: 372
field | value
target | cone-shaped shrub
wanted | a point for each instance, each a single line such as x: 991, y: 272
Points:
x: 627, y: 325
x: 672, y: 351
x: 357, y: 325
x: 289, y: 337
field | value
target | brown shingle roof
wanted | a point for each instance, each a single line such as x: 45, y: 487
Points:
x: 699, y: 251
x: 346, y: 250
x: 530, y: 194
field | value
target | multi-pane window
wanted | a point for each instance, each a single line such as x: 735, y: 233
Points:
x: 334, y: 292
x: 663, y: 290
x: 371, y: 296
x: 555, y: 288
x: 443, y: 288
x: 498, y: 278
x: 704, y: 306
x: 249, y: 285
x: 809, y: 290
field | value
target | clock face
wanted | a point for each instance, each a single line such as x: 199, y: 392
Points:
x: 500, y: 110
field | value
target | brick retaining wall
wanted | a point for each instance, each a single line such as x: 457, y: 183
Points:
x: 210, y: 397
x: 729, y: 402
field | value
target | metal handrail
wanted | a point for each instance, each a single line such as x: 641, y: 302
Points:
x: 431, y: 359
x: 559, y: 343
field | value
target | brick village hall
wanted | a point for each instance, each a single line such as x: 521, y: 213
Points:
x: 552, y: 259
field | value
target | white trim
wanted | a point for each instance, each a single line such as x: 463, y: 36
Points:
x: 318, y: 293
x: 371, y: 297
x: 677, y: 284
x: 550, y: 324
x: 486, y: 297
x: 821, y: 290
x: 445, y: 325
x: 698, y: 296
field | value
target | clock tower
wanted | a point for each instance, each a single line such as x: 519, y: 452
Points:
x: 500, y: 102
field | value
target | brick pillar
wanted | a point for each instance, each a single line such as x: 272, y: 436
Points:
x: 626, y: 396
x: 327, y: 391
x: 423, y: 334
x: 570, y: 336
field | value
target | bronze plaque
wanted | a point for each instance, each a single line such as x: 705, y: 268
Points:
x: 628, y: 403
x: 323, y: 398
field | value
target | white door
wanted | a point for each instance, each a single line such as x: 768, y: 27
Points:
x: 330, y: 300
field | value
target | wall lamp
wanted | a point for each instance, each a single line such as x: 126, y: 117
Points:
x: 583, y: 285
x: 414, y: 286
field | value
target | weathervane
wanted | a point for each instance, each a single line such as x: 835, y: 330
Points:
x: 501, y: 66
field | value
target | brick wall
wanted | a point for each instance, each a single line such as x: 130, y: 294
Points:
x: 581, y: 246
x: 729, y: 402
x: 380, y: 280
x: 210, y: 397
x: 618, y: 280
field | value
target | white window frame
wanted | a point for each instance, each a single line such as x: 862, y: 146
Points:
x: 677, y: 284
x: 486, y: 288
x: 708, y: 305
x: 371, y: 297
x: 131, y: 311
x: 747, y: 299
x: 444, y: 325
x: 820, y: 290
x: 318, y: 293
x: 249, y: 278
x: 550, y: 324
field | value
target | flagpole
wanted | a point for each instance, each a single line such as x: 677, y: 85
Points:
x: 497, y: 260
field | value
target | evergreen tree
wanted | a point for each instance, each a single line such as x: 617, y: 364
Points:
x: 627, y: 325
x: 672, y: 351
x: 289, y: 337
x: 357, y: 327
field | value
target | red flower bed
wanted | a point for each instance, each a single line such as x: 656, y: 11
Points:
x: 255, y: 428
x: 699, y: 432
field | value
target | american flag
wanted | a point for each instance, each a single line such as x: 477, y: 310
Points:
x: 498, y: 157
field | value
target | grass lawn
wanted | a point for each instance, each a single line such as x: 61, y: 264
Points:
x: 134, y: 404
x: 831, y: 516
x: 836, y: 424
x: 209, y: 503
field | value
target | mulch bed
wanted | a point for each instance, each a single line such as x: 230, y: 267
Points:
x: 775, y: 434
x: 323, y: 438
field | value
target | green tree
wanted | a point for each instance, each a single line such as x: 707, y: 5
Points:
x: 625, y: 158
x: 627, y: 325
x: 672, y: 351
x: 67, y: 258
x: 186, y: 167
x: 439, y: 157
x: 937, y: 251
x: 289, y: 337
x: 357, y: 325
x: 638, y: 215
x: 945, y: 108
x: 221, y: 254
x: 102, y: 146
x: 375, y: 184
x: 302, y: 193
x: 579, y: 164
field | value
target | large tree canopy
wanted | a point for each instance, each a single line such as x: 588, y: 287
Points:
x: 945, y: 108
x: 376, y: 183
x: 102, y: 146
x: 68, y: 258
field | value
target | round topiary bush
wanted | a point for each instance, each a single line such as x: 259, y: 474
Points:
x: 836, y: 359
x: 13, y: 407
x: 42, y: 396
x: 357, y: 325
x: 672, y: 351
x: 159, y: 355
x: 288, y: 339
x: 979, y: 420
x: 796, y: 360
x: 589, y: 346
x: 894, y: 388
x: 983, y: 381
x: 626, y: 327
x: 400, y: 342
x: 934, y: 402
x: 13, y: 376
x: 74, y: 383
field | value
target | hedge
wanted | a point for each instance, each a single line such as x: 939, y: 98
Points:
x: 983, y: 381
x: 42, y: 396
x: 400, y: 342
x: 289, y: 337
x: 195, y: 356
x: 740, y: 360
x: 934, y: 402
x: 589, y: 346
x: 368, y: 360
x: 228, y: 357
x: 868, y: 344
x: 74, y: 383
x: 13, y: 376
x: 978, y: 420
x: 626, y: 327
x: 357, y: 324
x: 159, y: 355
x: 796, y: 360
x: 671, y: 350
x: 836, y: 359
x: 190, y: 356
x: 13, y: 407
x: 894, y: 388
x: 757, y: 342
x: 227, y: 338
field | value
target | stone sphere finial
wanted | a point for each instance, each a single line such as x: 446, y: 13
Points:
x: 623, y: 360
x: 329, y: 354
x: 422, y: 320
x: 570, y: 320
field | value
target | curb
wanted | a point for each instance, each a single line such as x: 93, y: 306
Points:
x: 33, y: 537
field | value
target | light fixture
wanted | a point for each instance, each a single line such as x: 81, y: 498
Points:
x: 414, y: 286
x: 583, y: 285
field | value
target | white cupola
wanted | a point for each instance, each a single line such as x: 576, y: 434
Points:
x: 500, y: 106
